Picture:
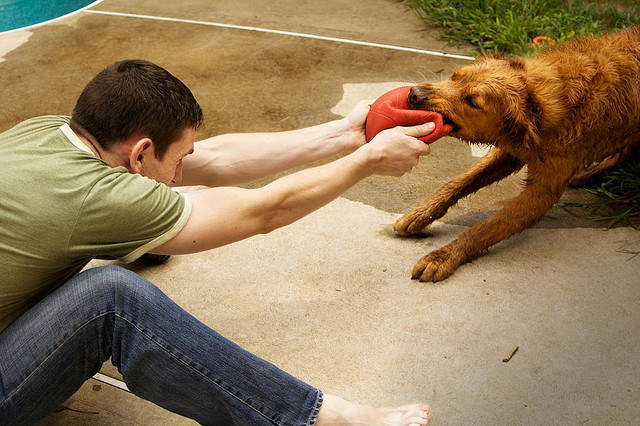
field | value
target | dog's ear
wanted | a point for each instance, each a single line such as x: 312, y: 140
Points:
x: 523, y: 112
x: 522, y: 122
x: 531, y: 132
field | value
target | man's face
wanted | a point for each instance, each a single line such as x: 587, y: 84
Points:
x: 169, y: 169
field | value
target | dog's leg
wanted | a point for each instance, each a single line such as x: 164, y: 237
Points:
x: 494, y: 166
x: 594, y: 172
x: 523, y: 212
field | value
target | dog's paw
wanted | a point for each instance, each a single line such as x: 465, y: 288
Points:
x: 413, y: 222
x: 436, y: 266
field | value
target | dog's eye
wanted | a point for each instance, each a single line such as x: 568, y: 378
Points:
x: 471, y: 101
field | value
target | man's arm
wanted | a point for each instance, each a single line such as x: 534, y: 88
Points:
x: 233, y: 159
x: 225, y: 215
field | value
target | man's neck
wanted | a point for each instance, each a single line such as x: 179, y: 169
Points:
x: 91, y: 142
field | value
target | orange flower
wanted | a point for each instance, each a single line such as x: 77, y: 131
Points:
x: 538, y: 39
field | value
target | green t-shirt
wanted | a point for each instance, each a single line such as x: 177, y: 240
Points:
x: 60, y: 206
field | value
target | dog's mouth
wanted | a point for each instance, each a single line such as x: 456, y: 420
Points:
x: 447, y: 120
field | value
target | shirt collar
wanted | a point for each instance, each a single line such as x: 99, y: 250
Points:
x: 74, y: 139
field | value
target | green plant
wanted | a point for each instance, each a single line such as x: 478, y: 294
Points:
x: 615, y: 18
x: 509, y: 26
x: 618, y: 197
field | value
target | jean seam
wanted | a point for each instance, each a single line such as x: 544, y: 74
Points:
x: 19, y: 387
x: 316, y: 409
x: 151, y: 337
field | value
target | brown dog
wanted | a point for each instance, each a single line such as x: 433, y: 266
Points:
x: 558, y: 113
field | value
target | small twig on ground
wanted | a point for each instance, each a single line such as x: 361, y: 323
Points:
x: 510, y: 354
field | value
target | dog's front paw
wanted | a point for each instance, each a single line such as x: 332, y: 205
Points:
x: 413, y: 222
x: 437, y: 265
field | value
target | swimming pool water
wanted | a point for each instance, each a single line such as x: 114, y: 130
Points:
x: 22, y: 13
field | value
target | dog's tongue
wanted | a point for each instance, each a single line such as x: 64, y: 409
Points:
x: 392, y: 109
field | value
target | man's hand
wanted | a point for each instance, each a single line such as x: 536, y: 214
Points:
x: 354, y: 125
x: 396, y: 151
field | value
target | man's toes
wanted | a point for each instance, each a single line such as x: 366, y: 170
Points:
x: 416, y: 421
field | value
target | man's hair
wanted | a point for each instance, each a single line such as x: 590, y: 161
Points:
x: 136, y: 98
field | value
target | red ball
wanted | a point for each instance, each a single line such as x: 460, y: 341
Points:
x: 392, y: 109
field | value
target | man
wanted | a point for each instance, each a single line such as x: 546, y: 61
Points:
x: 97, y: 184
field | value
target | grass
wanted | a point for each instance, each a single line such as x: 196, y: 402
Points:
x: 618, y: 199
x: 509, y: 27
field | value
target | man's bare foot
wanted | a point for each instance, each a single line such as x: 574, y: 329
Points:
x: 336, y: 411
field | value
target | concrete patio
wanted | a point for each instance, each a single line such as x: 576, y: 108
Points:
x: 330, y: 299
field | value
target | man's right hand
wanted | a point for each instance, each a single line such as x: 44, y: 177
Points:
x: 395, y: 151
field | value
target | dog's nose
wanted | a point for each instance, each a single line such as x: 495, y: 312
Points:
x: 417, y: 96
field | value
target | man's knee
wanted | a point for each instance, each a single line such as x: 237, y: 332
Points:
x: 114, y: 277
x: 113, y: 287
x: 126, y: 288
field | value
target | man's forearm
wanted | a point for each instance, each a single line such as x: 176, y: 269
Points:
x: 294, y: 196
x: 239, y: 158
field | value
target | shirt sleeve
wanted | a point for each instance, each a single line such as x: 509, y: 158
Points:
x: 126, y: 215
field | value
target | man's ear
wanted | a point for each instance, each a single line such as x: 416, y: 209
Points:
x: 141, y: 149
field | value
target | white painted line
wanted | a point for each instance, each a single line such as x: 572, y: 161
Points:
x: 111, y: 381
x: 288, y: 33
x: 54, y: 19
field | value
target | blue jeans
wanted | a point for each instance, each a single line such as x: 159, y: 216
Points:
x: 164, y: 354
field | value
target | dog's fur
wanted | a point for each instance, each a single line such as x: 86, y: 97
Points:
x: 558, y: 112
